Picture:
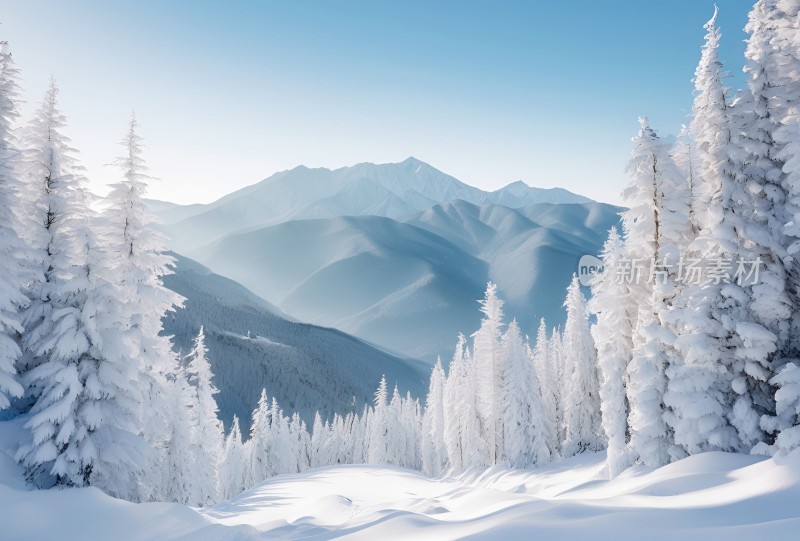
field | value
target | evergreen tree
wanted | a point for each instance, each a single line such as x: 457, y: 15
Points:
x: 615, y: 310
x: 656, y: 231
x: 182, y: 479
x: 260, y: 442
x: 379, y: 426
x: 523, y: 414
x: 786, y: 422
x: 434, y: 453
x: 771, y: 137
x: 454, y: 402
x: 209, y: 432
x: 12, y: 247
x: 300, y: 443
x: 583, y: 428
x: 233, y: 468
x: 700, y: 392
x: 488, y: 372
x: 81, y: 430
x: 543, y: 362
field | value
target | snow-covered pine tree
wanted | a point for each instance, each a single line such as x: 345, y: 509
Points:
x: 138, y: 263
x: 524, y: 418
x: 434, y: 453
x: 51, y: 174
x: 772, y: 139
x: 464, y: 437
x: 699, y: 389
x: 656, y: 231
x: 454, y: 416
x: 359, y: 437
x: 260, y: 442
x: 12, y: 247
x: 615, y: 311
x: 182, y: 478
x: 80, y: 425
x: 488, y: 371
x: 786, y: 421
x: 583, y: 427
x: 758, y: 214
x: 319, y: 443
x: 208, y: 430
x: 776, y: 27
x: 543, y: 362
x: 380, y: 451
x: 562, y: 373
x: 233, y: 468
x: 301, y: 444
x: 281, y: 449
x: 411, y: 423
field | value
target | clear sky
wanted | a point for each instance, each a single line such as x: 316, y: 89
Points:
x: 228, y: 93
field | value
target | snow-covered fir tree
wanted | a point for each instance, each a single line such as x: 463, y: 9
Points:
x: 524, y: 417
x: 772, y: 137
x: 208, y: 428
x: 12, y: 246
x: 260, y: 442
x: 700, y: 391
x: 380, y: 451
x: 138, y: 264
x: 81, y: 432
x: 464, y: 438
x: 656, y: 230
x: 488, y: 371
x: 182, y: 478
x: 547, y: 375
x: 233, y: 467
x: 583, y: 428
x: 433, y: 449
x: 615, y: 311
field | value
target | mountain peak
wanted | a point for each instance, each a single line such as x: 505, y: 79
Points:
x: 415, y: 164
x: 517, y: 186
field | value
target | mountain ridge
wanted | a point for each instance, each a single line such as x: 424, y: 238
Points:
x: 302, y: 192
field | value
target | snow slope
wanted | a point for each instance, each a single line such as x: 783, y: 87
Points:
x: 714, y: 496
x: 411, y: 284
x: 304, y: 366
x: 389, y: 190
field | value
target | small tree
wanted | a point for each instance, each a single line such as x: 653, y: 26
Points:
x: 582, y: 407
x: 613, y: 306
x: 209, y: 430
x: 524, y: 417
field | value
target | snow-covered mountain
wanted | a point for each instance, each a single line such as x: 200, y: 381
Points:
x: 252, y: 345
x: 390, y: 190
x: 411, y: 285
x: 395, y: 254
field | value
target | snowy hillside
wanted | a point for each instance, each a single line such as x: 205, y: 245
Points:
x: 712, y: 496
x: 391, y: 190
x: 411, y: 285
x: 252, y: 346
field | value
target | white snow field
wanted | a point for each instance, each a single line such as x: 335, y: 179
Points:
x: 709, y: 496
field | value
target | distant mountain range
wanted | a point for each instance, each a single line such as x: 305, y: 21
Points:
x: 390, y: 190
x: 253, y: 346
x: 396, y: 254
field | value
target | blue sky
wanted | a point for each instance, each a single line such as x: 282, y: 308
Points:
x: 229, y: 92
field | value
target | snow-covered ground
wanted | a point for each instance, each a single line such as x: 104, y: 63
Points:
x: 710, y: 496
